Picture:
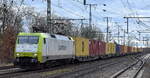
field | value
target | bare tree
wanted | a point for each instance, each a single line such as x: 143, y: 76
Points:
x: 92, y: 33
x: 11, y: 25
x: 39, y: 24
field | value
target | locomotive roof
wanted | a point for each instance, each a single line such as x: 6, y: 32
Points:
x: 46, y: 35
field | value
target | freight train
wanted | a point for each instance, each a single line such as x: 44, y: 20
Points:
x: 33, y: 49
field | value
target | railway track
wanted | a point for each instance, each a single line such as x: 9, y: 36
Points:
x: 6, y: 67
x: 87, y: 69
x: 13, y: 72
x: 132, y: 71
x: 10, y: 73
x: 83, y: 68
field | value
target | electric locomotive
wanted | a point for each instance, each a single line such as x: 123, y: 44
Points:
x: 34, y: 49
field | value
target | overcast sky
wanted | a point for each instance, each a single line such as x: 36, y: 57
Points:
x: 116, y: 9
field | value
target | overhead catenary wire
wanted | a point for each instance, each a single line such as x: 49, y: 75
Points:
x: 69, y: 11
x: 139, y: 18
x: 96, y: 17
x: 135, y: 13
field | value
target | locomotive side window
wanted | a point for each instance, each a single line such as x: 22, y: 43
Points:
x: 44, y: 40
x: 53, y: 36
x: 69, y: 38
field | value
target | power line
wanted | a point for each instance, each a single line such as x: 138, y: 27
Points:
x: 87, y: 11
x: 96, y: 17
x: 69, y: 11
x: 90, y: 12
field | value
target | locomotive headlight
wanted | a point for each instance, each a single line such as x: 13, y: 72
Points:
x: 35, y: 55
x: 17, y: 54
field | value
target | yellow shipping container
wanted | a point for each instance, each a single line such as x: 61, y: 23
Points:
x: 110, y: 48
x: 131, y: 49
x: 136, y: 49
x: 125, y: 49
x: 81, y: 46
x: 142, y: 49
x: 107, y: 49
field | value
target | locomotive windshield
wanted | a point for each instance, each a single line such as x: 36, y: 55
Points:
x: 28, y: 39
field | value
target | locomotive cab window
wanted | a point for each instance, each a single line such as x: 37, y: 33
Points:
x: 28, y: 39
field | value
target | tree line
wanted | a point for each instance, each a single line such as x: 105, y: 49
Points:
x: 15, y: 18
